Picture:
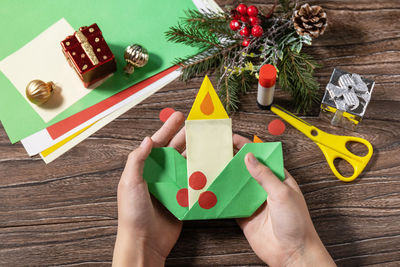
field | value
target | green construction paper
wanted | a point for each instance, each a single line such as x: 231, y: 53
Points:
x: 165, y: 173
x: 122, y: 22
x: 238, y: 194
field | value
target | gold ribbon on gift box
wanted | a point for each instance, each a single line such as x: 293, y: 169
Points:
x: 87, y: 47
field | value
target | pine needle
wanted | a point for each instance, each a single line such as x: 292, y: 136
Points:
x: 296, y: 77
x: 192, y: 36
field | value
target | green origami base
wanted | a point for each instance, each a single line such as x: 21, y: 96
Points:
x: 238, y: 194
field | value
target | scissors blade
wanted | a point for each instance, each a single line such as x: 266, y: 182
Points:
x: 293, y: 120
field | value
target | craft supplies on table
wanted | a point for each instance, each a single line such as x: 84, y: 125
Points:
x: 266, y: 86
x: 73, y: 112
x: 89, y: 55
x: 346, y: 98
x: 36, y: 43
x: 332, y: 146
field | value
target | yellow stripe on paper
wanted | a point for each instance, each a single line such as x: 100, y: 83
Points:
x: 53, y: 148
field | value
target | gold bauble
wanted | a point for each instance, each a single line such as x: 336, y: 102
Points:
x: 135, y: 56
x: 38, y: 92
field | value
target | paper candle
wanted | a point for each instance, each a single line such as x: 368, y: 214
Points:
x: 210, y: 183
x: 208, y: 144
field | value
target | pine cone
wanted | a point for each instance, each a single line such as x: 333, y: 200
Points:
x: 310, y: 20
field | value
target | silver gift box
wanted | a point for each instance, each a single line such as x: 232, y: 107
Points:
x: 346, y: 99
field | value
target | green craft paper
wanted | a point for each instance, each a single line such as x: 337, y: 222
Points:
x: 122, y: 22
x: 165, y: 173
x: 238, y: 194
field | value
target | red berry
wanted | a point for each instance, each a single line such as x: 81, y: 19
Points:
x: 254, y: 21
x: 257, y: 31
x: 245, y: 32
x: 235, y: 14
x: 252, y: 11
x: 246, y: 42
x: 242, y: 8
x: 234, y: 25
x: 245, y: 19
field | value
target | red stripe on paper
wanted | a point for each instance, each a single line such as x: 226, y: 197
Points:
x: 58, y: 129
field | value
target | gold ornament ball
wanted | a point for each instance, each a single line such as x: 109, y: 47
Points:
x: 135, y: 56
x: 39, y: 92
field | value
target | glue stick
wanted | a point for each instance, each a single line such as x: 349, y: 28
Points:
x: 266, y: 86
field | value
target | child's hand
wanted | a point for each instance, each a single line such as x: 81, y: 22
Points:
x: 281, y: 232
x: 146, y: 230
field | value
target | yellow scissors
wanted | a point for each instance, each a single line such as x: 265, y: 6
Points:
x: 333, y: 146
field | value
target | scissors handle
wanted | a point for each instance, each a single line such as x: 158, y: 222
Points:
x: 338, y: 149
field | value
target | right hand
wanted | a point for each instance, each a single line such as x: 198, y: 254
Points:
x: 281, y: 232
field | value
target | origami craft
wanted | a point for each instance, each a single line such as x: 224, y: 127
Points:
x: 211, y: 183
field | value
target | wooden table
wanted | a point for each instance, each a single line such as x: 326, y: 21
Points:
x: 65, y: 213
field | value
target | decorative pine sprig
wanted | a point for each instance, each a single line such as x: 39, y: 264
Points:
x: 214, y: 22
x: 193, y: 36
x: 296, y: 77
x: 232, y: 86
x: 203, y: 62
x: 238, y: 66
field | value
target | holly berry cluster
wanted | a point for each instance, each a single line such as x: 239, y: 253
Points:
x: 247, y: 21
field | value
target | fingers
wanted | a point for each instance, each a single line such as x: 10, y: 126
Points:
x: 291, y: 182
x: 168, y: 130
x: 133, y: 172
x: 264, y: 176
x: 239, y: 141
x: 179, y: 141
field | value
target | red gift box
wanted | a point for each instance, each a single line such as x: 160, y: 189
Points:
x: 89, y: 55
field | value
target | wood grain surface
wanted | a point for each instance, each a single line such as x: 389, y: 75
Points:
x: 65, y: 213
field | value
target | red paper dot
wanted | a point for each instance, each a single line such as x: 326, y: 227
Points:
x: 207, y: 200
x: 166, y: 113
x: 197, y: 180
x: 183, y: 197
x: 276, y: 127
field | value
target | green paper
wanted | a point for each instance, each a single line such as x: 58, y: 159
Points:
x: 165, y: 173
x: 238, y: 194
x: 122, y: 22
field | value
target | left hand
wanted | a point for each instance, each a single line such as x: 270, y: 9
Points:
x: 146, y: 230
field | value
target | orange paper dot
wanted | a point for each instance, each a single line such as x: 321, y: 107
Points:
x: 197, y: 180
x: 183, y: 197
x: 207, y: 106
x: 207, y: 200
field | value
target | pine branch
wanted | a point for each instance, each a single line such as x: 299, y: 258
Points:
x: 238, y: 66
x: 296, y: 77
x: 232, y: 87
x: 203, y: 62
x: 228, y: 93
x: 192, y: 36
x: 210, y: 21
